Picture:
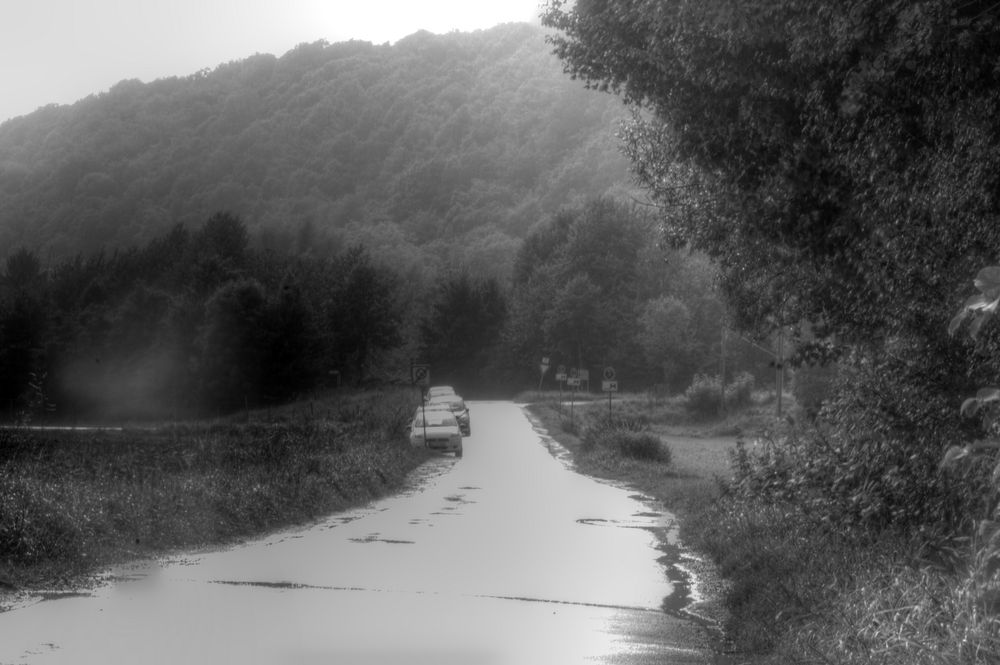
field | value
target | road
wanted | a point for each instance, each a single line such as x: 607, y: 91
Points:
x: 505, y: 556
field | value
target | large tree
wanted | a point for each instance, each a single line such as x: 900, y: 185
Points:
x: 841, y: 162
x: 838, y: 158
x: 461, y: 332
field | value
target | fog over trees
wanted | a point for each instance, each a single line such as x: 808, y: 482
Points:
x: 279, y: 225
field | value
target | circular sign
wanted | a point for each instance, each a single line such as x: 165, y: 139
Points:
x: 609, y: 373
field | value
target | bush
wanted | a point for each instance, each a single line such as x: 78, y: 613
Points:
x: 627, y: 438
x: 812, y: 386
x: 739, y: 392
x: 642, y: 446
x: 702, y: 398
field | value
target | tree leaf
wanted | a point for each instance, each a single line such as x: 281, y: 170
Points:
x: 985, y: 395
x: 956, y: 322
x: 988, y: 282
x: 953, y: 455
x: 970, y: 407
x: 978, y: 319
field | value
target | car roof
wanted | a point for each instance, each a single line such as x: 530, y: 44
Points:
x: 446, y: 399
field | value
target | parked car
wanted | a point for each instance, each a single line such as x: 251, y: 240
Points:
x: 436, y: 429
x: 457, y: 406
x: 436, y: 391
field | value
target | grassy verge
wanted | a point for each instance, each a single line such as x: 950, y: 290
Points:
x: 72, y: 502
x: 687, y: 478
x: 797, y: 590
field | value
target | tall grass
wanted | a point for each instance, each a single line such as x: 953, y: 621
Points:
x: 72, y: 500
x: 801, y: 587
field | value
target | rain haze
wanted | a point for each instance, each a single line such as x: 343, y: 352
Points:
x: 60, y: 51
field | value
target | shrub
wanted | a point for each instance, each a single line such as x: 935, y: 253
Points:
x: 627, y: 438
x: 702, y: 398
x: 642, y: 446
x: 739, y: 392
x: 812, y: 386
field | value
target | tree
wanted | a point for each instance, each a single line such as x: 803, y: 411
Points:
x: 664, y: 334
x: 578, y: 325
x: 291, y: 355
x: 841, y: 163
x: 831, y: 156
x: 22, y: 271
x: 364, y: 316
x: 460, y: 336
x: 232, y: 346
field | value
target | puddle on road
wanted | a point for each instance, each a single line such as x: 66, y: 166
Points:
x: 683, y: 579
x: 377, y: 538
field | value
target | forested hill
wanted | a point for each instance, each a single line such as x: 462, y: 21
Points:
x: 422, y: 142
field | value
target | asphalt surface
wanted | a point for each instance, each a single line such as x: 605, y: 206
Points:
x: 505, y: 556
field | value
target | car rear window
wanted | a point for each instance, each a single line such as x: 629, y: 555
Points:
x: 435, y: 419
x: 452, y: 401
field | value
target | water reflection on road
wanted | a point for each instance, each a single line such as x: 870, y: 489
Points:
x: 504, y: 556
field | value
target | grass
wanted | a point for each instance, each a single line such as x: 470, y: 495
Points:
x: 794, y: 589
x: 72, y: 502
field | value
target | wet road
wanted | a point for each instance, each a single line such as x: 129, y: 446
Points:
x: 503, y: 557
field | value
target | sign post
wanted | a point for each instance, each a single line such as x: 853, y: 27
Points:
x: 543, y: 367
x: 609, y: 385
x: 573, y: 381
x: 561, y: 379
x: 420, y: 375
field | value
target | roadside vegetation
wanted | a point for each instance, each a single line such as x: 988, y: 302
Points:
x: 793, y: 585
x: 74, y: 501
x: 839, y: 164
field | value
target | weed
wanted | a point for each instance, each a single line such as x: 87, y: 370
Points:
x: 77, y: 499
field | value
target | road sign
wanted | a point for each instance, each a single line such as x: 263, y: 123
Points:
x: 609, y: 373
x: 561, y: 376
x: 420, y: 374
x: 609, y: 386
x: 561, y: 369
x: 573, y: 382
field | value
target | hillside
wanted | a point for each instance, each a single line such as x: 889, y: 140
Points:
x: 464, y: 141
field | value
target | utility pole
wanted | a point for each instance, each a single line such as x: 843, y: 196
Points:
x: 780, y: 367
x: 722, y: 372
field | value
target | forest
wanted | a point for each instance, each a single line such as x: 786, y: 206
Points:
x: 198, y: 322
x: 279, y: 225
x: 455, y: 144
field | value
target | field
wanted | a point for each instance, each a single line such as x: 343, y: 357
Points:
x: 74, y: 501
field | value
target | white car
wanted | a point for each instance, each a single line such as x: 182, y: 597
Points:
x: 457, y: 406
x: 436, y: 429
x: 437, y: 391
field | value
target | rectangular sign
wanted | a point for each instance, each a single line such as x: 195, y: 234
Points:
x: 573, y: 382
x: 609, y: 386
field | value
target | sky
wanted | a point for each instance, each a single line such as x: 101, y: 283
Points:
x: 60, y: 51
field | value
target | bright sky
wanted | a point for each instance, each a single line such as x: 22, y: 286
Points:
x: 59, y: 51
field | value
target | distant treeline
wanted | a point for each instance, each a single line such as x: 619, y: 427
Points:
x: 451, y: 147
x: 198, y: 322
